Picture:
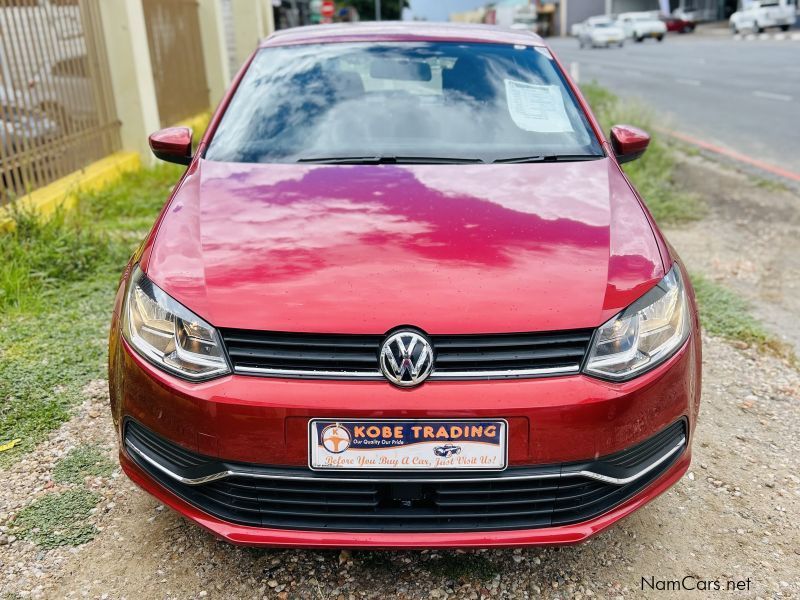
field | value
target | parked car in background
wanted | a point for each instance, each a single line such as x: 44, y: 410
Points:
x: 515, y: 14
x: 21, y: 126
x: 63, y: 89
x: 21, y: 129
x: 695, y: 14
x: 641, y: 25
x: 763, y: 14
x: 677, y: 25
x: 601, y: 32
x: 525, y: 23
x: 58, y: 21
x: 577, y: 28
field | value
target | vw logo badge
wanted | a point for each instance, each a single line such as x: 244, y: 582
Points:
x: 406, y: 358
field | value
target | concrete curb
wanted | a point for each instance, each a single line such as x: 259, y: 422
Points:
x: 62, y: 193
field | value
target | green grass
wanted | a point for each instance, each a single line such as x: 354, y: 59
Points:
x: 58, y: 519
x: 654, y: 173
x: 461, y: 566
x: 447, y: 565
x: 771, y: 185
x: 57, y: 285
x: 38, y: 256
x: 723, y: 313
x: 83, y: 461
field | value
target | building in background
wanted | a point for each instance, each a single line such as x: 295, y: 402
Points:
x: 519, y: 14
x: 470, y: 16
x: 515, y: 13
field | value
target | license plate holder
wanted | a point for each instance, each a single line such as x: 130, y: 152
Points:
x: 403, y: 445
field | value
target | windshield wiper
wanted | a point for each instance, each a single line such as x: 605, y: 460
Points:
x: 390, y: 160
x: 548, y: 158
x: 441, y: 160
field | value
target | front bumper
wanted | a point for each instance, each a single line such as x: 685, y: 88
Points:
x: 264, y: 422
x: 266, y: 537
x: 361, y: 502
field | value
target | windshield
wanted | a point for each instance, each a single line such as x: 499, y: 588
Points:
x: 467, y: 102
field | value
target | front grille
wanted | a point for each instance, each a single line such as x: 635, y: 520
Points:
x: 356, y: 356
x: 294, y: 498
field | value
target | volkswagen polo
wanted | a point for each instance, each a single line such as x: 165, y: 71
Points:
x: 404, y: 296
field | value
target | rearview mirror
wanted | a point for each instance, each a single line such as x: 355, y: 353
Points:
x: 629, y: 142
x: 401, y: 70
x: 173, y: 144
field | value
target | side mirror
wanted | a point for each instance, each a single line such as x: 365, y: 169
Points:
x: 173, y: 144
x: 629, y: 142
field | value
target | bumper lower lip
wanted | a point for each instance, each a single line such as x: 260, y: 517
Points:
x: 261, y: 537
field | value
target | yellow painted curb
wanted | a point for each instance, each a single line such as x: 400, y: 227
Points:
x: 62, y: 193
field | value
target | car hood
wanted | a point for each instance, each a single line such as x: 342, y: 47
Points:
x: 364, y: 249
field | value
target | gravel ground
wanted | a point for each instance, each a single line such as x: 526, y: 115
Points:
x: 733, y: 517
x: 754, y: 249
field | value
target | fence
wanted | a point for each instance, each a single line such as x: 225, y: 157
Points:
x: 229, y: 30
x: 176, y: 56
x: 56, y: 103
x: 81, y: 80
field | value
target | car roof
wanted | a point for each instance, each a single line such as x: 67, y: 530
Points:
x: 386, y: 31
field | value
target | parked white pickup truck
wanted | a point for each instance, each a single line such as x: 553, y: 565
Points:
x: 761, y: 14
x: 641, y: 25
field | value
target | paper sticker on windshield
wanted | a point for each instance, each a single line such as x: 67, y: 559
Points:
x: 538, y: 108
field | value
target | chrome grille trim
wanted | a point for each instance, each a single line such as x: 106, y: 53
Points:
x: 410, y: 478
x: 456, y: 357
x: 303, y: 374
x: 377, y: 376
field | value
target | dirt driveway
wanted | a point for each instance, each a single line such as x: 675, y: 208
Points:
x: 734, y: 517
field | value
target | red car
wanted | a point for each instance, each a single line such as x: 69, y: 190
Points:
x: 678, y: 25
x: 404, y: 296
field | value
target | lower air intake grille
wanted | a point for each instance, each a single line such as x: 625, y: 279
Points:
x: 518, y: 498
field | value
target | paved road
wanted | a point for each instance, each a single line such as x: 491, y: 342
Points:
x: 741, y: 95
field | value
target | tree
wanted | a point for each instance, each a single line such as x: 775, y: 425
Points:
x: 391, y: 10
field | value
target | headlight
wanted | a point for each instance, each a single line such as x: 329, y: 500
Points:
x: 169, y: 334
x: 644, y: 334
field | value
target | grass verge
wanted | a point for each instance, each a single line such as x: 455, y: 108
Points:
x: 83, y: 461
x: 444, y: 565
x: 57, y: 284
x: 725, y: 314
x: 58, y: 519
x: 461, y: 566
x: 654, y: 173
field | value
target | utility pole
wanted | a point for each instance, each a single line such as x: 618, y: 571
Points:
x: 377, y: 10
